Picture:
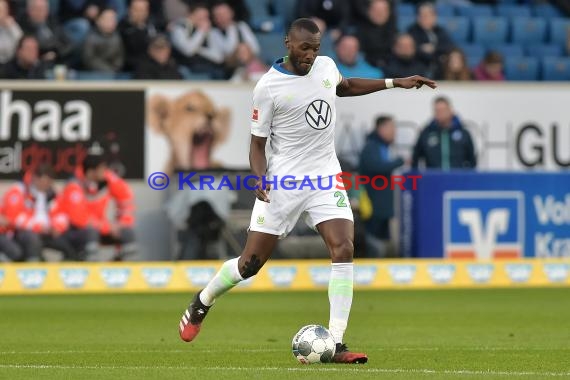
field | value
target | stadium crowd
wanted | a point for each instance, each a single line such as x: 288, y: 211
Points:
x: 238, y: 39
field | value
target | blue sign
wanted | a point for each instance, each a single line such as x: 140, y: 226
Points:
x: 486, y: 215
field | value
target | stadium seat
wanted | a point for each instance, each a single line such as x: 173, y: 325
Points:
x: 559, y: 31
x: 474, y: 11
x: 488, y: 30
x: 404, y: 22
x: 457, y: 27
x: 272, y: 46
x: 259, y: 7
x: 268, y: 24
x: 546, y: 11
x: 512, y: 10
x: 473, y: 49
x: 507, y: 50
x: 556, y: 69
x: 327, y: 45
x: 285, y: 9
x: 543, y: 50
x: 445, y: 10
x: 521, y: 68
x: 528, y: 30
x: 403, y: 10
x: 473, y: 60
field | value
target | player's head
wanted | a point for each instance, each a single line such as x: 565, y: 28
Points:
x: 443, y: 113
x: 385, y: 128
x: 94, y: 167
x: 42, y: 177
x: 303, y: 42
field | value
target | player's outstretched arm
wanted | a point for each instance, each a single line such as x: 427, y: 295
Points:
x: 362, y: 86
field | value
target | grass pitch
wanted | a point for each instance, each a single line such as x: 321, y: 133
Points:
x: 447, y: 334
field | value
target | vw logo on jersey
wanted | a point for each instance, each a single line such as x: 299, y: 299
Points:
x: 319, y: 114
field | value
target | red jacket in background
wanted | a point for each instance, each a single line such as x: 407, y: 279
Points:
x: 88, y: 206
x: 19, y: 207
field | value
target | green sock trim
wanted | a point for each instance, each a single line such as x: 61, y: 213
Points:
x: 226, y: 277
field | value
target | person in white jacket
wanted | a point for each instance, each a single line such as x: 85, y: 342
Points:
x: 10, y: 33
x: 195, y: 46
x: 231, y: 35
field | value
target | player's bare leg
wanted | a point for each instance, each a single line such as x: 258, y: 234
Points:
x: 338, y: 235
x: 257, y: 251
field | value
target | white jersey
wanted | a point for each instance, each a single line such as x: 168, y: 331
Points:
x: 298, y: 115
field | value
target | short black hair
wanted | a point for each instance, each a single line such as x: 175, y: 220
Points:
x: 383, y: 119
x: 304, y: 24
x: 44, y: 169
x: 92, y: 161
x: 442, y: 99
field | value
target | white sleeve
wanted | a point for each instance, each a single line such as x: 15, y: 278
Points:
x: 337, y: 72
x: 262, y: 113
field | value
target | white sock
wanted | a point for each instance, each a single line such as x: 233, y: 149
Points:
x: 227, y: 277
x: 340, y: 298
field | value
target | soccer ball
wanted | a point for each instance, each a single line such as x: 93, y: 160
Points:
x: 313, y: 344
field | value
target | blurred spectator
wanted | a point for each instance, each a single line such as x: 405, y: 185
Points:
x: 404, y: 63
x: 491, y: 68
x: 195, y: 46
x: 454, y: 67
x: 432, y: 41
x: 377, y: 33
x: 86, y: 198
x: 172, y: 10
x: 78, y: 16
x: 239, y: 7
x: 231, y: 34
x: 360, y: 9
x: 33, y: 210
x: 54, y: 45
x: 103, y: 49
x: 249, y: 67
x: 136, y: 31
x: 376, y: 159
x: 158, y: 64
x: 9, y: 249
x: 444, y: 144
x: 334, y: 14
x: 26, y: 64
x: 10, y: 33
x: 349, y: 61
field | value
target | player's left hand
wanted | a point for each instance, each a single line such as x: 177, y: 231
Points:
x: 416, y: 81
x: 261, y: 193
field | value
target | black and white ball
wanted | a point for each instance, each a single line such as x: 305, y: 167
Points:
x: 313, y: 344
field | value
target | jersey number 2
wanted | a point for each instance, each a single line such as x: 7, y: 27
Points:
x: 340, y: 202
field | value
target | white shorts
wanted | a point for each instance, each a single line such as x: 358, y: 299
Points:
x: 280, y: 216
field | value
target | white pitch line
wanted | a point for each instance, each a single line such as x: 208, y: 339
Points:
x: 56, y: 352
x: 253, y: 350
x: 317, y: 368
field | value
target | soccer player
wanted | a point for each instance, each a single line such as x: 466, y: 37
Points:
x: 294, y: 106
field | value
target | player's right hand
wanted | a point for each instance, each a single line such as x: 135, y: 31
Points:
x: 416, y: 81
x: 261, y: 193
